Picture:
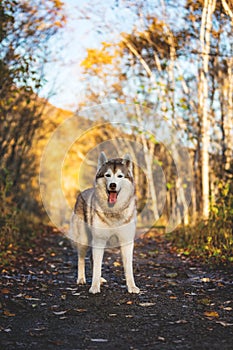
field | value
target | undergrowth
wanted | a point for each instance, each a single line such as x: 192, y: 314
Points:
x: 17, y: 227
x: 210, y: 240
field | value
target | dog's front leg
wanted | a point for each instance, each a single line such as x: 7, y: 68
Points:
x: 97, y: 254
x: 82, y: 249
x: 127, y: 257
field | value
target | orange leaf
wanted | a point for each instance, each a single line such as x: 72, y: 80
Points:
x: 80, y: 310
x: 211, y: 314
x: 5, y: 291
x: 8, y: 313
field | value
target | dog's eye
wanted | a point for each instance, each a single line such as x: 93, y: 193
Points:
x: 107, y: 175
x: 120, y: 175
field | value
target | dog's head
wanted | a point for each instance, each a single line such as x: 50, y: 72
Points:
x: 116, y: 174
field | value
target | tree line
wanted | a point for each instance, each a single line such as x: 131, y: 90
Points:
x: 178, y: 60
x: 25, y: 30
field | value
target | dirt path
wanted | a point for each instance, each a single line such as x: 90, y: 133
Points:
x: 181, y: 305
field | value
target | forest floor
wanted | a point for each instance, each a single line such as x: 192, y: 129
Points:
x: 183, y: 304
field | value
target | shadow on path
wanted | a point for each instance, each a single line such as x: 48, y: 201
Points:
x: 182, y: 305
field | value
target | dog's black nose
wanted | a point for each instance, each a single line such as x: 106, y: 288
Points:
x: 112, y: 186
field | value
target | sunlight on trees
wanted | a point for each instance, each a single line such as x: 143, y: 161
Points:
x: 176, y: 59
x: 25, y: 28
x: 182, y: 69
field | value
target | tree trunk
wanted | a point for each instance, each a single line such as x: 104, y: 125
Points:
x: 148, y: 151
x: 206, y: 25
x: 228, y: 120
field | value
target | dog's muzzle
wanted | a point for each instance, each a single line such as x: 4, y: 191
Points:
x: 112, y: 197
x: 112, y: 193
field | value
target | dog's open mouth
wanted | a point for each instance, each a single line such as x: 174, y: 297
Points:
x: 112, y: 197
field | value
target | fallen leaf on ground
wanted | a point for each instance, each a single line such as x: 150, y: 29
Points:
x: 20, y: 295
x: 39, y: 329
x: 204, y: 301
x: 58, y: 313
x: 161, y: 338
x: 7, y: 330
x: 191, y: 294
x: 31, y: 298
x: 181, y: 321
x: 56, y: 342
x: 211, y: 314
x: 5, y: 291
x: 80, y: 310
x: 146, y: 304
x: 171, y: 275
x: 205, y: 279
x: 228, y: 308
x: 224, y: 324
x: 8, y: 313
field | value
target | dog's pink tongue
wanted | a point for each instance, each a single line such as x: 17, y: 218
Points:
x: 112, y: 198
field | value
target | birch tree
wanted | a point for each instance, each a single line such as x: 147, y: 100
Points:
x: 185, y: 72
x: 228, y: 120
x: 205, y: 32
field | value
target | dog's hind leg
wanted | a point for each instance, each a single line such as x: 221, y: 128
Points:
x: 82, y: 250
x: 83, y: 243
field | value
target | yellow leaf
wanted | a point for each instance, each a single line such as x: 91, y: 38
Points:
x: 211, y: 314
x: 205, y: 279
x: 116, y: 263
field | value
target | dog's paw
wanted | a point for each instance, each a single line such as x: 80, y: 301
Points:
x: 102, y: 280
x: 94, y: 289
x: 133, y: 289
x: 81, y: 280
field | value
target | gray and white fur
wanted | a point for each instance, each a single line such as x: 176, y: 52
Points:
x: 104, y: 212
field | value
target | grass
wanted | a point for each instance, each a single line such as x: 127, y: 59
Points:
x: 209, y: 241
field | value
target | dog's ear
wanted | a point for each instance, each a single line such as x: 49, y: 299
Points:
x: 127, y: 160
x: 102, y: 160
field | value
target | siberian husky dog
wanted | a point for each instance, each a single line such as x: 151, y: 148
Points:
x: 106, y: 211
